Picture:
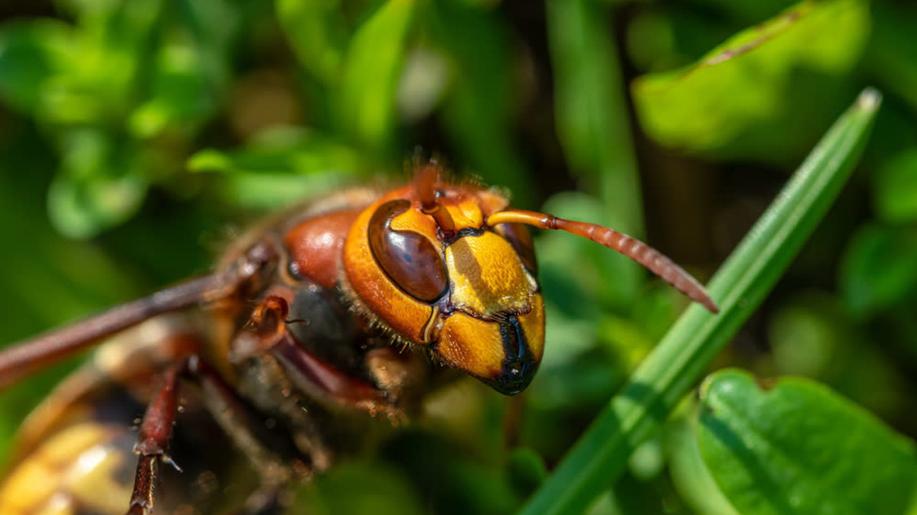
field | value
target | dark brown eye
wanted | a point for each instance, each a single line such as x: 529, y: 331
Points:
x: 409, y: 259
x: 521, y: 239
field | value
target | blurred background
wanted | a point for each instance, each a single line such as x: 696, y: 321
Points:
x: 137, y: 138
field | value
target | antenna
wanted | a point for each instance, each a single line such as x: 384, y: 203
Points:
x: 647, y: 256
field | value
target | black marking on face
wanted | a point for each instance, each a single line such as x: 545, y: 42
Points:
x: 519, y: 365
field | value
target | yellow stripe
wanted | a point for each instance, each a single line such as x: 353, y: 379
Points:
x: 74, y: 466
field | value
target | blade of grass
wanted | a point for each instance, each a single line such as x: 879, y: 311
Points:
x: 592, y: 125
x: 591, y: 110
x: 371, y: 71
x: 688, y: 348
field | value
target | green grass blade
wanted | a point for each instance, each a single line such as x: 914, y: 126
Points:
x: 685, y: 352
x: 591, y: 109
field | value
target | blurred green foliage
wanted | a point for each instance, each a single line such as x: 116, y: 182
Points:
x: 134, y: 134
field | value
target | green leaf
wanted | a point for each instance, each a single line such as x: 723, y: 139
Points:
x: 878, y: 269
x: 766, y: 92
x: 372, y: 71
x: 317, y: 33
x: 697, y: 337
x: 30, y: 55
x: 797, y: 447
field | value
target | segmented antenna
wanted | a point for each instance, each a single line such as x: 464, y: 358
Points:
x: 647, y: 256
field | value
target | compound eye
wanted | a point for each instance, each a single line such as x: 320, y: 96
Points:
x: 408, y: 258
x: 520, y: 238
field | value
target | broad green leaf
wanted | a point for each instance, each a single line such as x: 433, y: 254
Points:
x: 766, y: 92
x: 30, y: 55
x: 878, y: 268
x: 480, y: 100
x: 663, y: 378
x: 796, y: 447
x: 372, y: 71
x: 317, y: 33
x: 895, y: 188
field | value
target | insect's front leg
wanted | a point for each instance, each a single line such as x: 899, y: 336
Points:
x: 153, y: 441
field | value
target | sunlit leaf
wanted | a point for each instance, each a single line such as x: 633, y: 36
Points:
x: 765, y: 93
x: 372, y: 70
x: 796, y: 447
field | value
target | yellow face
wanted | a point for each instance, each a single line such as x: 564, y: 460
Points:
x: 468, y: 293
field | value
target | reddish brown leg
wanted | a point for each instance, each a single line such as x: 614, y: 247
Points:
x: 232, y: 415
x: 153, y: 441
